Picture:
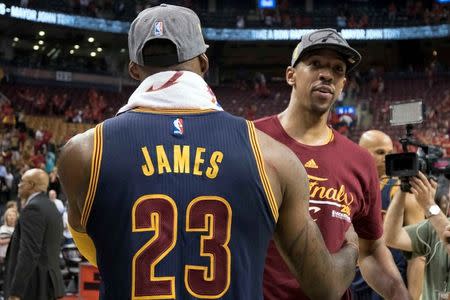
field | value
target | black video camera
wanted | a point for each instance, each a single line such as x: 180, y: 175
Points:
x: 428, y: 159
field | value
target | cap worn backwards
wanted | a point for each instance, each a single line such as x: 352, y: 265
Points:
x: 177, y: 24
x: 326, y: 38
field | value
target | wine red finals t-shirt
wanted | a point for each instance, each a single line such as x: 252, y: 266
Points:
x: 344, y: 189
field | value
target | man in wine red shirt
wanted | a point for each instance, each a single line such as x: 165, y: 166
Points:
x: 344, y: 187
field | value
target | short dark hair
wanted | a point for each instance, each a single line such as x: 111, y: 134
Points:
x: 160, y: 53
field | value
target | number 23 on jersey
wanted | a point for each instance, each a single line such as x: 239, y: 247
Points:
x: 158, y: 213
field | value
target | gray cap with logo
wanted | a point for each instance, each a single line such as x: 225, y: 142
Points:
x: 180, y: 25
x: 326, y: 38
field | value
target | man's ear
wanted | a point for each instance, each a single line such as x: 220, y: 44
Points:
x: 344, y: 84
x: 133, y: 70
x: 204, y: 63
x: 290, y: 75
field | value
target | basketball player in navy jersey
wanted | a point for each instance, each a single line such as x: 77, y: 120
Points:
x: 176, y: 199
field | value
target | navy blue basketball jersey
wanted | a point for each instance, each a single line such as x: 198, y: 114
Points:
x: 388, y: 189
x: 179, y: 206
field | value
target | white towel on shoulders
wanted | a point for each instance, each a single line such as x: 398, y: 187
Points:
x: 173, y: 90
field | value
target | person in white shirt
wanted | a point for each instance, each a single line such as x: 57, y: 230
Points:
x: 6, y: 230
x: 59, y: 204
x: 68, y: 239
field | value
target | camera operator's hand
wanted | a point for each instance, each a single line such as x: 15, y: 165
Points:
x: 424, y: 190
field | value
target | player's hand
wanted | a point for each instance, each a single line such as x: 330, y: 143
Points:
x: 13, y: 298
x: 423, y: 189
x: 351, y: 237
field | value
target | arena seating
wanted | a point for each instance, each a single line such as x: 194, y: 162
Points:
x: 61, y: 130
x: 435, y: 93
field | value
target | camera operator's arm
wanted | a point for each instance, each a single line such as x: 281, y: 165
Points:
x: 394, y: 233
x: 413, y: 212
x: 425, y: 191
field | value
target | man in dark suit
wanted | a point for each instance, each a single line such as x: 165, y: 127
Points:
x: 32, y: 260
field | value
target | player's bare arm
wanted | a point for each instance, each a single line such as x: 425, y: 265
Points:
x: 375, y: 259
x: 74, y: 167
x: 322, y: 275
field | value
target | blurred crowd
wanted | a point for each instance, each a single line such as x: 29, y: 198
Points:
x: 88, y: 107
x: 287, y: 13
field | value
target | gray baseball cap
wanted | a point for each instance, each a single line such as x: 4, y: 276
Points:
x: 326, y: 38
x: 180, y: 25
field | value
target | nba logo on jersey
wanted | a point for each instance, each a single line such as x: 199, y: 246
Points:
x: 178, y: 128
x: 158, y: 29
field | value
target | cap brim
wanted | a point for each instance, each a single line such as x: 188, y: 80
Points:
x: 351, y: 57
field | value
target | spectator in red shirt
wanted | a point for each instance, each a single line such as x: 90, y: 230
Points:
x: 38, y: 159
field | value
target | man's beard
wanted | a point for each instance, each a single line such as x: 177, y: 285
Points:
x: 320, y: 110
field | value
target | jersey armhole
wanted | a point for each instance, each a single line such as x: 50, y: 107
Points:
x: 95, y: 171
x: 262, y: 171
x: 85, y: 245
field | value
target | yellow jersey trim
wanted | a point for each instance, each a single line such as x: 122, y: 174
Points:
x: 85, y: 245
x: 95, y: 172
x: 330, y: 136
x: 383, y: 182
x: 262, y: 171
x: 394, y: 189
x: 173, y: 111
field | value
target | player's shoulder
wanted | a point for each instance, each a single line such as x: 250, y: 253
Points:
x: 78, y: 150
x: 284, y: 169
x: 81, y: 142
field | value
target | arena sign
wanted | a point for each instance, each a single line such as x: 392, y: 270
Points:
x: 225, y: 34
x: 62, y: 19
x: 399, y: 33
